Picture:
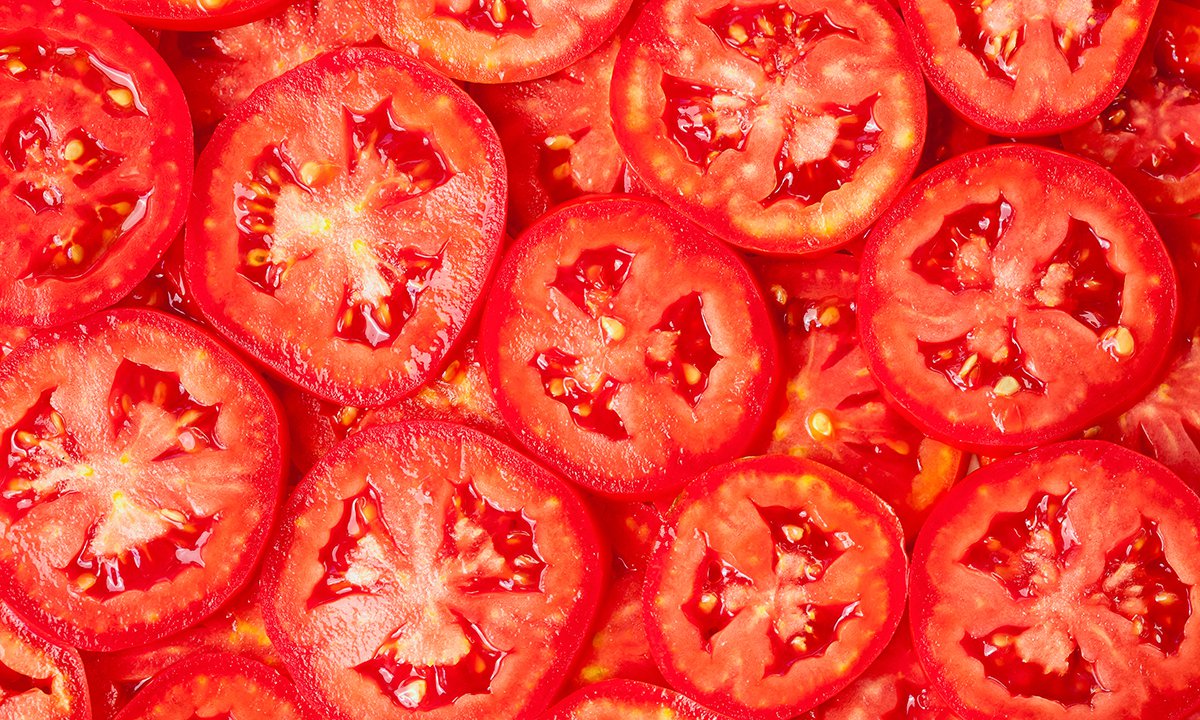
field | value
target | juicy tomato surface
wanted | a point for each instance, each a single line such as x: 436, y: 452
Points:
x: 190, y: 14
x: 779, y: 581
x: 1061, y: 584
x: 345, y: 247
x: 96, y: 162
x: 834, y: 412
x: 1020, y: 68
x: 1147, y: 136
x: 628, y: 700
x: 1013, y: 296
x: 627, y: 347
x: 216, y: 686
x: 142, y: 477
x: 497, y: 41
x: 783, y: 127
x: 11, y: 337
x: 428, y: 570
x: 165, y: 288
x: 39, y: 680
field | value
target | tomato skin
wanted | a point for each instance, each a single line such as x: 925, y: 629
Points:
x: 180, y: 15
x: 628, y: 700
x: 67, y: 685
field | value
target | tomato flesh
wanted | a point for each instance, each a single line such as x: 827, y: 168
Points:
x: 38, y: 678
x: 216, y: 686
x: 190, y: 14
x: 628, y: 700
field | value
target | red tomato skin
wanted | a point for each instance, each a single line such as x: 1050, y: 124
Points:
x: 650, y: 702
x: 271, y: 683
x: 173, y: 15
x: 66, y: 659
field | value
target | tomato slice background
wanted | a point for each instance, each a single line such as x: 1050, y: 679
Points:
x: 628, y: 700
x: 114, y: 108
x: 331, y: 252
x: 126, y: 488
x: 189, y: 15
x: 38, y: 678
x: 216, y: 685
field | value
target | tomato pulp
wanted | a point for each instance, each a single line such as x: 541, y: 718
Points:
x: 628, y: 700
x: 38, y: 678
x: 216, y: 686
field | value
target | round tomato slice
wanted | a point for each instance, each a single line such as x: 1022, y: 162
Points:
x: 345, y: 247
x: 777, y: 582
x: 628, y: 700
x: 95, y: 160
x: 190, y: 15
x: 1060, y: 584
x: 627, y: 346
x: 834, y: 412
x: 497, y: 41
x: 216, y: 686
x: 144, y: 469
x: 784, y: 127
x: 1148, y: 136
x: 1014, y: 295
x: 1020, y: 69
x: 39, y: 680
x: 427, y: 570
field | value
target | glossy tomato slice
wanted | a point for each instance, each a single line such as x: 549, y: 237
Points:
x: 494, y: 41
x: 1019, y: 69
x: 427, y: 570
x: 1014, y: 295
x: 144, y: 469
x: 39, y: 680
x: 96, y: 163
x: 216, y: 686
x: 1061, y: 584
x: 1148, y: 135
x: 11, y: 337
x: 627, y: 346
x: 784, y: 127
x: 346, y: 246
x: 628, y: 700
x: 778, y: 582
x: 834, y: 412
x: 165, y: 288
x: 190, y: 14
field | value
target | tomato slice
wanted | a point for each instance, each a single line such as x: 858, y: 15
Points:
x: 38, y: 678
x: 144, y: 469
x: 778, y: 581
x: 627, y: 346
x: 628, y: 700
x: 834, y: 412
x: 95, y: 160
x: 165, y: 288
x: 190, y: 14
x: 427, y: 570
x: 11, y: 337
x: 345, y: 247
x: 996, y: 61
x: 785, y: 127
x: 1013, y: 296
x: 1060, y: 584
x: 495, y: 41
x: 1148, y: 136
x: 216, y: 686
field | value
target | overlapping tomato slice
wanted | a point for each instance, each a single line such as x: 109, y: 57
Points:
x: 190, y: 14
x: 216, y: 686
x: 628, y: 700
x: 38, y: 678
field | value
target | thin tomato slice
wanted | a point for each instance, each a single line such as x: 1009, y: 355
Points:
x: 345, y: 247
x: 39, y: 680
x: 1013, y: 296
x: 190, y: 14
x: 11, y: 337
x: 628, y: 700
x: 426, y: 570
x: 95, y: 160
x: 144, y: 469
x: 216, y: 686
x: 1061, y: 584
x: 627, y: 346
x: 1021, y: 69
x: 780, y: 580
x: 784, y: 127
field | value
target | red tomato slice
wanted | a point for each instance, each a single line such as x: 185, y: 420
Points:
x: 216, y: 686
x: 627, y: 346
x: 39, y: 680
x: 834, y: 412
x: 1020, y: 69
x: 628, y: 700
x: 165, y: 288
x: 142, y: 479
x: 494, y: 41
x: 784, y: 128
x: 190, y: 14
x: 427, y: 570
x: 95, y: 161
x: 1148, y: 135
x: 1060, y: 584
x: 11, y: 338
x: 1013, y: 296
x: 778, y: 581
x: 345, y: 247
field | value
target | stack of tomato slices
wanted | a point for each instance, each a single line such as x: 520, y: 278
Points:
x: 600, y: 360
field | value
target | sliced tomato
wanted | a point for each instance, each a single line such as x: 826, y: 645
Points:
x: 216, y: 686
x: 142, y: 478
x: 165, y: 288
x: 39, y: 679
x: 1061, y: 584
x: 628, y: 700
x: 834, y: 411
x: 11, y: 337
x: 1150, y: 134
x: 495, y: 41
x: 427, y: 570
x: 1021, y: 69
x: 627, y: 346
x: 190, y: 14
x: 1014, y: 295
x: 783, y: 127
x: 96, y: 163
x: 345, y: 247
x: 777, y: 582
